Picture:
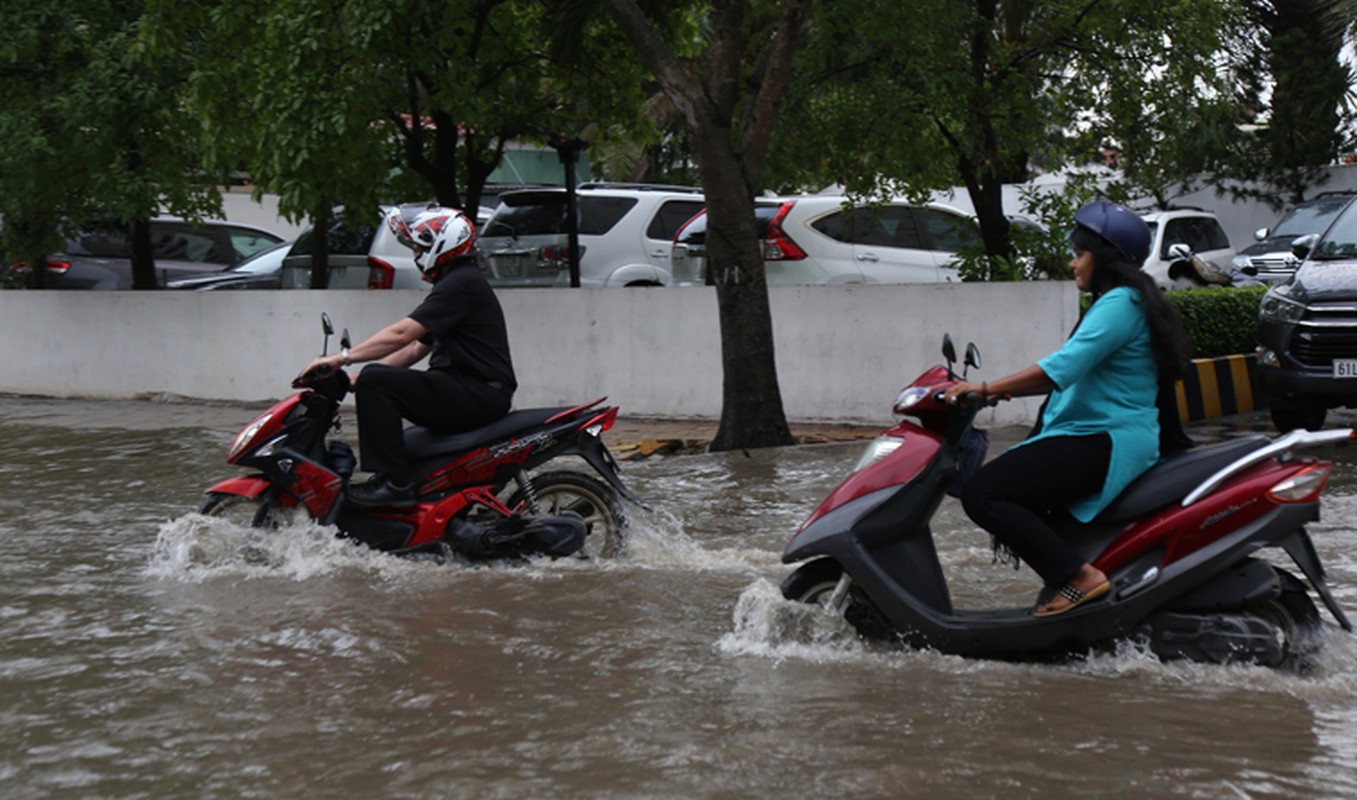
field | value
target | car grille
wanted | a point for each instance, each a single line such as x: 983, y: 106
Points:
x: 1274, y: 265
x: 1326, y: 332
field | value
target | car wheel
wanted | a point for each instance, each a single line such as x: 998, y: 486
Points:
x: 1291, y: 416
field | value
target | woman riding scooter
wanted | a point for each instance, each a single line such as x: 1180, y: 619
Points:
x: 1109, y: 416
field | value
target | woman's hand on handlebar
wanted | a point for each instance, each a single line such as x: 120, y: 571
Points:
x: 965, y: 392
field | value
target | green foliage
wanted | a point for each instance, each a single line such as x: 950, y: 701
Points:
x: 1221, y: 320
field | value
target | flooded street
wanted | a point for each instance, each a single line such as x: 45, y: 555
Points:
x: 144, y: 655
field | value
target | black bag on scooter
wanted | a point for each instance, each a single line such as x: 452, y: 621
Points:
x: 970, y: 455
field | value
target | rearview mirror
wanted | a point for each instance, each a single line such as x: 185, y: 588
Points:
x: 948, y: 349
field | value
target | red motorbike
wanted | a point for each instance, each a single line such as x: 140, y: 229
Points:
x: 1182, y: 546
x: 477, y: 495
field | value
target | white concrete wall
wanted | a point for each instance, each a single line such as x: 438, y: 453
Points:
x: 843, y: 352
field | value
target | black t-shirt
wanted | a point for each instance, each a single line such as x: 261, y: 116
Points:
x: 466, y: 327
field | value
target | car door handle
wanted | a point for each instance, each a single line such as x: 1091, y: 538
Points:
x: 659, y: 253
x: 872, y: 257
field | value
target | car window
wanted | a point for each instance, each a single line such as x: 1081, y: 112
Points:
x: 100, y: 242
x: 1310, y: 217
x: 598, y: 215
x: 529, y: 214
x: 949, y: 233
x: 886, y: 226
x: 343, y: 240
x: 246, y: 243
x: 1200, y: 234
x: 183, y: 244
x: 670, y: 217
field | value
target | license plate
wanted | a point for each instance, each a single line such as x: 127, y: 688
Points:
x: 1345, y: 367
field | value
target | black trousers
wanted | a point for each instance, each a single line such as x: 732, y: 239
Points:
x: 1016, y: 496
x: 443, y: 401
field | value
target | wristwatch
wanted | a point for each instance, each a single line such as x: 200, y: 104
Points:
x: 344, y: 354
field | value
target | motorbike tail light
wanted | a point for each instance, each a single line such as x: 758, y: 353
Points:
x: 777, y: 245
x: 1303, y: 486
x: 381, y: 275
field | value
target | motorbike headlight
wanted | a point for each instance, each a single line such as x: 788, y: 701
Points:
x: 909, y: 398
x: 246, y: 436
x: 1277, y: 307
x: 880, y: 447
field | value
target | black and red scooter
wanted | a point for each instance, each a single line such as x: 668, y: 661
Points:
x: 1183, y: 546
x: 477, y: 495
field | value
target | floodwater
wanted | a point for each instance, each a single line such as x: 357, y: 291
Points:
x: 143, y: 655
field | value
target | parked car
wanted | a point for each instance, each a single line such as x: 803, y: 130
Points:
x: 363, y: 255
x: 625, y: 233
x: 825, y: 239
x: 98, y: 256
x: 263, y: 270
x: 1269, y: 259
x: 1179, y: 236
x: 1307, y: 330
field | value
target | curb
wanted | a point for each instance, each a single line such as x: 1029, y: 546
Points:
x: 1217, y: 387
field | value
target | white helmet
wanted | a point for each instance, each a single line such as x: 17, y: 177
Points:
x: 437, y: 235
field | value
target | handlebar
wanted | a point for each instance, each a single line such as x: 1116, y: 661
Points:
x: 312, y: 376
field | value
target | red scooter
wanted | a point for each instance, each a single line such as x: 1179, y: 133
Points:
x: 476, y: 494
x: 1181, y: 546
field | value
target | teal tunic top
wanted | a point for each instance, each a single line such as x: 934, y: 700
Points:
x: 1107, y: 382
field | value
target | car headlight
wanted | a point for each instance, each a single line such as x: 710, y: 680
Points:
x: 1276, y: 307
x: 1240, y: 262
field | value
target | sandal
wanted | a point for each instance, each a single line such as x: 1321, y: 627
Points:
x: 1076, y: 598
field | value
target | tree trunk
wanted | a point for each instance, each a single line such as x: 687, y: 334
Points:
x: 320, y: 249
x: 143, y: 256
x: 751, y: 402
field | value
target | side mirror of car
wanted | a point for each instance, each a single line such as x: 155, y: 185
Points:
x: 1180, y: 251
x: 1261, y: 234
x: 1301, y: 247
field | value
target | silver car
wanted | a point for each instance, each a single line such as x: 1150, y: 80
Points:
x: 364, y: 255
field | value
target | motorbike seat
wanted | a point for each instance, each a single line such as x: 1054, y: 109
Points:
x: 1170, y: 480
x: 421, y: 442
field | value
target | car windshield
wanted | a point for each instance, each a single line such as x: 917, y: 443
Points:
x: 1341, y: 240
x: 1311, y: 217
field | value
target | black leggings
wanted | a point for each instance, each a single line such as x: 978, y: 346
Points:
x: 443, y: 401
x: 1015, y: 497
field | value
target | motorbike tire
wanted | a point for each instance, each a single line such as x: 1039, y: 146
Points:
x: 247, y: 512
x: 595, y: 501
x: 812, y: 582
x: 1297, y: 621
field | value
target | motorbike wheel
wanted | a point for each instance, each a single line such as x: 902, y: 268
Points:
x: 248, y: 512
x: 813, y: 582
x: 1297, y: 621
x: 593, y: 500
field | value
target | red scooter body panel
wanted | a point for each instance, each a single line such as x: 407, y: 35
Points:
x: 262, y: 428
x: 899, y: 467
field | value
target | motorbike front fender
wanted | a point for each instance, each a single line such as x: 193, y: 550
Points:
x: 250, y: 486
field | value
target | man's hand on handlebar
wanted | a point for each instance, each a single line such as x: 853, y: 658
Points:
x: 319, y: 368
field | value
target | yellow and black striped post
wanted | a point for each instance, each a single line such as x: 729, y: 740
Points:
x: 1217, y: 387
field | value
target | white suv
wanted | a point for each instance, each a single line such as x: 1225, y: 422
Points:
x: 825, y: 239
x: 362, y: 256
x: 1175, y: 237
x: 625, y: 235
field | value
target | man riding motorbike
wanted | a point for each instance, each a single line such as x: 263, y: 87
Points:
x: 460, y: 326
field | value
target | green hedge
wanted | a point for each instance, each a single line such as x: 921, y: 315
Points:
x: 1222, y: 321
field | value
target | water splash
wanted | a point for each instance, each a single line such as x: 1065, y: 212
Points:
x: 769, y: 626
x: 195, y: 546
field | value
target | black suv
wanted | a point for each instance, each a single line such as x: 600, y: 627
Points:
x: 1307, y: 329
